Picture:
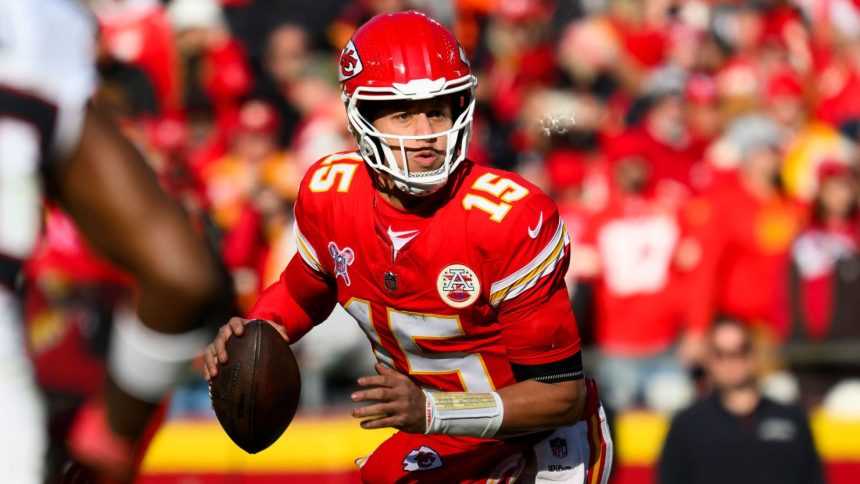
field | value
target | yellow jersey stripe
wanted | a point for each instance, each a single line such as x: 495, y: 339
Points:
x: 306, y: 251
x: 509, y: 280
x: 539, y: 267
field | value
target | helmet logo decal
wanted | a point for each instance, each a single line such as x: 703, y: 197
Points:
x: 350, y: 63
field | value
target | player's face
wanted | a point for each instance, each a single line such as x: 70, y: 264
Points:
x: 417, y: 118
x: 731, y: 359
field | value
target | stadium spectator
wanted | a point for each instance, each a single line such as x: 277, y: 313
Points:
x: 744, y: 229
x: 251, y: 190
x: 825, y: 280
x: 703, y: 108
x: 823, y: 256
x: 663, y: 135
x: 809, y: 141
x: 736, y: 434
x: 215, y: 70
x: 639, y: 310
x: 287, y: 53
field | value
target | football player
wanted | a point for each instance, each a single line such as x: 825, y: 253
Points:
x: 51, y: 137
x: 455, y: 272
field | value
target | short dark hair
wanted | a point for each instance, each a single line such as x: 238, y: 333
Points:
x: 727, y: 320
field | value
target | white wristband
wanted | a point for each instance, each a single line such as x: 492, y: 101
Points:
x: 146, y: 363
x: 464, y: 414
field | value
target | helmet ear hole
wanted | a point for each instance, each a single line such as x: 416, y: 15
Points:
x: 369, y: 147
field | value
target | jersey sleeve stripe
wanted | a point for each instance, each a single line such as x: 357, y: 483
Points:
x: 306, y: 251
x: 526, y: 278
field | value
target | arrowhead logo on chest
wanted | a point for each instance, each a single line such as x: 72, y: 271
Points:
x: 458, y: 285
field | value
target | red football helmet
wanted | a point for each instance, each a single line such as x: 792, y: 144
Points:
x: 407, y: 55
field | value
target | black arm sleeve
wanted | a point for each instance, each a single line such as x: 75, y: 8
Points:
x: 567, y: 369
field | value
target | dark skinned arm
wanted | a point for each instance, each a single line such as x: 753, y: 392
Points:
x: 114, y: 197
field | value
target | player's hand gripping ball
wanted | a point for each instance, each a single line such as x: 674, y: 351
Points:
x: 256, y: 392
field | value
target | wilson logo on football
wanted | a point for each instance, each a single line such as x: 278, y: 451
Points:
x: 458, y: 285
x: 350, y: 63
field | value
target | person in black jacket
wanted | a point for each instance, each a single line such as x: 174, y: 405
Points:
x: 736, y: 434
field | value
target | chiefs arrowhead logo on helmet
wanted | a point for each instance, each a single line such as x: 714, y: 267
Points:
x: 350, y: 63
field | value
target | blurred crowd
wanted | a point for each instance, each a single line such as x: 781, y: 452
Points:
x: 703, y: 155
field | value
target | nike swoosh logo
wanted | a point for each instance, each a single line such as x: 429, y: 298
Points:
x: 533, y: 232
x: 399, y: 239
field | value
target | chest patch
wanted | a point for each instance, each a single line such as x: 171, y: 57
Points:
x: 342, y: 260
x: 458, y: 285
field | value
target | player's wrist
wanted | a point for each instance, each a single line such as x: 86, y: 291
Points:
x: 463, y: 413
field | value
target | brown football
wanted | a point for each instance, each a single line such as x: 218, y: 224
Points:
x: 256, y: 392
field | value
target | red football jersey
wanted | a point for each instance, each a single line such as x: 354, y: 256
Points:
x: 450, y: 295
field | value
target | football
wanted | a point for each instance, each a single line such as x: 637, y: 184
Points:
x: 256, y: 392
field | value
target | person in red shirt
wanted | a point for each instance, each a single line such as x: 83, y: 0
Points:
x: 744, y: 229
x: 455, y: 272
x: 251, y: 189
x: 663, y: 135
x: 825, y: 281
x: 824, y: 257
x: 639, y: 315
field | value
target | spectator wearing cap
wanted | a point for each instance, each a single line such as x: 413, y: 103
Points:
x: 824, y: 254
x: 743, y: 229
x: 810, y: 141
x: 737, y: 434
x: 825, y: 279
x: 703, y: 108
x: 251, y: 190
x: 638, y: 308
x: 662, y: 134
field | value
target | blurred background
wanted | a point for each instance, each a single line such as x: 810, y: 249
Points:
x: 703, y: 154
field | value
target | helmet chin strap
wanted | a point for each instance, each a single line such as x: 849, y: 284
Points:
x: 419, y: 191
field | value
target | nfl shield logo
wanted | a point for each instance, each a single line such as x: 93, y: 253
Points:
x: 558, y: 446
x: 390, y: 281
